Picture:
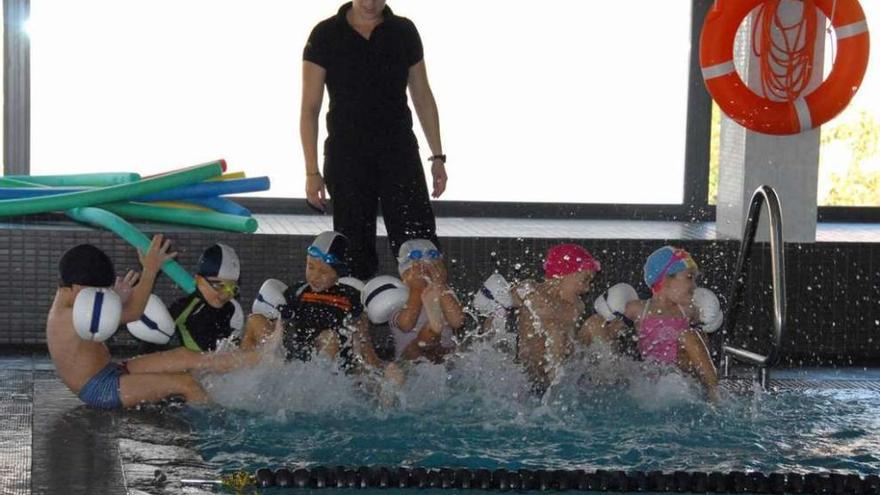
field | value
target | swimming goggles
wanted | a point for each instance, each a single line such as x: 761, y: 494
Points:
x: 418, y: 254
x: 330, y: 259
x: 227, y: 286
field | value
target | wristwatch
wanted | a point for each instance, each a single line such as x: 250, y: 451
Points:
x: 442, y: 158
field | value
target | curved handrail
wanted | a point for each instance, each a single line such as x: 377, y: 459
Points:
x: 762, y: 195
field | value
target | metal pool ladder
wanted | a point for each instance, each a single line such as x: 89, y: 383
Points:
x: 763, y: 195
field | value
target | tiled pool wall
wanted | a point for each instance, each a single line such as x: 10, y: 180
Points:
x: 833, y: 288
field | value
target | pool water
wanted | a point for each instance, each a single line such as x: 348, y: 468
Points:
x: 477, y: 412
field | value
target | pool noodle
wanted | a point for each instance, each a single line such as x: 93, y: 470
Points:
x: 111, y: 194
x: 72, y: 180
x: 182, y: 204
x: 22, y: 192
x: 209, y: 219
x: 222, y: 205
x: 207, y: 189
x: 113, y: 223
x: 186, y: 192
x: 102, y: 218
x: 228, y: 176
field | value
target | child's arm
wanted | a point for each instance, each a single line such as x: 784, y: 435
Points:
x: 700, y: 362
x: 448, y: 306
x: 363, y: 344
x: 596, y: 329
x: 431, y: 303
x: 451, y: 309
x: 124, y: 285
x: 520, y: 291
x: 407, y: 317
x: 634, y: 311
x: 152, y: 262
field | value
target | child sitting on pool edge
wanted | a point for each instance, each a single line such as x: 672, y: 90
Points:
x: 85, y: 366
x: 209, y: 315
x: 321, y: 315
x: 547, y: 313
x: 432, y: 315
x: 667, y: 325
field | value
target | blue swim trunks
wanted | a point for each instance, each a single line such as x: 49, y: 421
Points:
x: 102, y: 391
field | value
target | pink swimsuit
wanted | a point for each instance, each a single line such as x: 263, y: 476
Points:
x: 658, y: 336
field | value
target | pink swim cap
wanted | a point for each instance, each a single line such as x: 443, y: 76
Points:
x: 565, y: 259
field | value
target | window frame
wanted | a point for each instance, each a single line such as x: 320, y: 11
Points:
x: 693, y: 207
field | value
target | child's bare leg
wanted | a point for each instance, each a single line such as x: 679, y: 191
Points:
x: 698, y: 362
x: 257, y: 329
x: 394, y: 374
x: 182, y: 360
x: 153, y: 387
x: 426, y: 340
x: 328, y: 343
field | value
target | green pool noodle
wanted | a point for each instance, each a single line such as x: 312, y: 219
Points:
x: 79, y: 180
x: 111, y: 194
x: 9, y: 182
x: 117, y: 225
x: 207, y: 219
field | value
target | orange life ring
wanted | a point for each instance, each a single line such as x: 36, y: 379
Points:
x: 761, y: 114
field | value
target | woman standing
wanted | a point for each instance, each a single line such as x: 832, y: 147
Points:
x: 367, y: 57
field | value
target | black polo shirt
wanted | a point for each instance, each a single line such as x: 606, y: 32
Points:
x: 366, y: 80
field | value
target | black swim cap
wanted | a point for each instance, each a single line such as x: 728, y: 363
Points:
x: 86, y: 265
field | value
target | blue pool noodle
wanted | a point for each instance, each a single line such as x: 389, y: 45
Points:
x: 209, y: 189
x: 220, y: 205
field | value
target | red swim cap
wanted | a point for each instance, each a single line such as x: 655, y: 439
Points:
x: 565, y: 259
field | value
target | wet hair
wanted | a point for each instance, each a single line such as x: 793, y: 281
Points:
x: 86, y: 265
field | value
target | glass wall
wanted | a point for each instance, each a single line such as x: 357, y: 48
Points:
x: 555, y: 101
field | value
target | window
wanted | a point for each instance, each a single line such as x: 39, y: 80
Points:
x: 849, y: 158
x: 557, y: 102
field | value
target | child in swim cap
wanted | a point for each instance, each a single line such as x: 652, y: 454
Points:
x: 666, y: 324
x: 432, y: 315
x: 212, y: 314
x: 322, y: 314
x: 86, y: 366
x: 548, y: 311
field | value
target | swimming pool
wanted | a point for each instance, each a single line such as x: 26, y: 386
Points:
x: 476, y: 412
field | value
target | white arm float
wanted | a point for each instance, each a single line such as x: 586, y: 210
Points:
x: 711, y: 316
x: 156, y: 325
x: 382, y: 297
x: 493, y: 297
x: 96, y: 313
x: 611, y: 304
x: 270, y: 301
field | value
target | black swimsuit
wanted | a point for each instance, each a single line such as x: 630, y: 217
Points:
x: 313, y: 312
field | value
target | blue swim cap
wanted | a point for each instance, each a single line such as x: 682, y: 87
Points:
x: 664, y: 262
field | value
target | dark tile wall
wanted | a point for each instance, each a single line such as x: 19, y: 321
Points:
x: 833, y: 289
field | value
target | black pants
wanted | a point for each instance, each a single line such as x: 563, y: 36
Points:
x: 359, y: 183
